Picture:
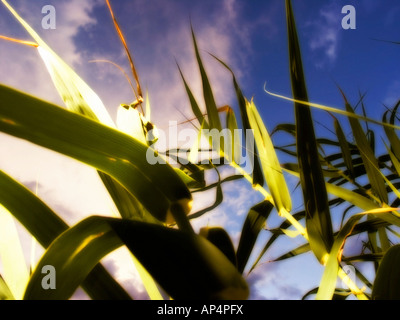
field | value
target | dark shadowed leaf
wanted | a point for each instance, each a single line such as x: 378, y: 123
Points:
x: 187, y: 266
x: 254, y: 223
x: 318, y: 219
x: 220, y: 238
x: 387, y: 280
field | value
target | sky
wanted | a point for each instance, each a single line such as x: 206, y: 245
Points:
x: 250, y: 36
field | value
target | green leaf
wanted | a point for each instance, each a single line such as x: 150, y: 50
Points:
x: 344, y: 146
x: 295, y: 252
x: 219, y: 197
x: 187, y: 266
x: 129, y: 121
x: 122, y: 157
x: 220, y: 238
x: 211, y: 106
x: 236, y: 147
x: 390, y: 132
x: 284, y: 224
x: 339, y: 294
x: 318, y: 219
x: 358, y: 200
x: 128, y: 206
x: 5, y: 293
x: 269, y: 161
x: 193, y: 103
x: 258, y: 177
x: 45, y: 226
x: 15, y: 271
x: 370, y: 162
x: 254, y: 223
x: 387, y: 280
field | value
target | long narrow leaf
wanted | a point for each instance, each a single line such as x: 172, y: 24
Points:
x: 252, y: 226
x: 344, y: 146
x: 369, y: 159
x: 318, y: 219
x: 258, y: 177
x: 269, y: 161
x: 193, y: 103
x: 211, y: 106
x: 15, y: 271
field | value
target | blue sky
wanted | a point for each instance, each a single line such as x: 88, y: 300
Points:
x: 248, y: 35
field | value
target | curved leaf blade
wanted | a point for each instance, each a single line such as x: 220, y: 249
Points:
x: 269, y: 161
x: 252, y: 227
x: 45, y: 226
x: 122, y: 157
x: 186, y: 265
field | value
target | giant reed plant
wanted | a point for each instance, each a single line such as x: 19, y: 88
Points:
x: 154, y: 200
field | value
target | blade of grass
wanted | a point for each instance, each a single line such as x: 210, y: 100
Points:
x: 221, y: 239
x: 15, y: 269
x: 148, y: 281
x: 193, y: 103
x: 269, y: 161
x: 236, y: 147
x: 391, y: 134
x: 251, y: 229
x: 318, y: 219
x: 332, y: 110
x: 258, y: 177
x: 344, y: 146
x: 219, y: 197
x: 211, y: 106
x: 368, y: 157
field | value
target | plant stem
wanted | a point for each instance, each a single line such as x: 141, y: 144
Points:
x: 180, y: 218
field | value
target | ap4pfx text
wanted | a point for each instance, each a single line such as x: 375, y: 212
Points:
x: 228, y: 309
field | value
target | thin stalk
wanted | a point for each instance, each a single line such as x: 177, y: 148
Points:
x: 181, y: 218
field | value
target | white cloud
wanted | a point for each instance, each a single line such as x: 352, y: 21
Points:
x: 392, y: 94
x: 325, y: 34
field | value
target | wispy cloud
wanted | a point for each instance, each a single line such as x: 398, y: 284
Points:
x: 392, y: 94
x: 325, y: 34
